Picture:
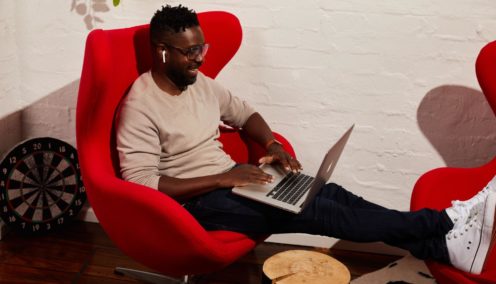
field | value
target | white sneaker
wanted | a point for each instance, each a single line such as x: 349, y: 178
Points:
x: 469, y: 244
x: 461, y: 211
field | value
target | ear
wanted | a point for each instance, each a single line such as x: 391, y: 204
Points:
x: 159, y: 52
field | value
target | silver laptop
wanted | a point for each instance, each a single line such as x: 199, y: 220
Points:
x: 292, y: 192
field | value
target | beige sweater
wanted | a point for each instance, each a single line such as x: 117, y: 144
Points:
x: 159, y: 134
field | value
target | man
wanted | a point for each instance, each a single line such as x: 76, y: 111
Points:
x: 167, y: 139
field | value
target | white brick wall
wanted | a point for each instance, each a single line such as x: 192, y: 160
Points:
x: 402, y: 71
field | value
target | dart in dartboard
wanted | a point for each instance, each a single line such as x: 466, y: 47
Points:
x: 41, y: 188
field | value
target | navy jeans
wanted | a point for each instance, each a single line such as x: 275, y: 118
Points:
x: 336, y: 213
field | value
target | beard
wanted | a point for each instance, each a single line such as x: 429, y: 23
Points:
x: 181, y: 78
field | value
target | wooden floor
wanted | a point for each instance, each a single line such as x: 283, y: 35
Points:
x: 82, y: 253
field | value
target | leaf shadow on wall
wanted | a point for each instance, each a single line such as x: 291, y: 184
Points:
x: 460, y: 124
x: 89, y: 11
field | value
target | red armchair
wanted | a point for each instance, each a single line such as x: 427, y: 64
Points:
x: 436, y: 188
x: 145, y: 224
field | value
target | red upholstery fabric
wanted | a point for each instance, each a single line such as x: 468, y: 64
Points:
x: 145, y: 224
x: 436, y: 188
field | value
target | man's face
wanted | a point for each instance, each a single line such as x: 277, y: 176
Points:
x: 182, y: 66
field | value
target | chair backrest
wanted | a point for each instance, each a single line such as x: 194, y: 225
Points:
x: 485, y: 69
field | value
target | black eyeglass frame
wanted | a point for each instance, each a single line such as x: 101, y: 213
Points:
x: 191, y: 52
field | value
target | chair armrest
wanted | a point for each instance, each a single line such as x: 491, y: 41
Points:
x: 437, y: 188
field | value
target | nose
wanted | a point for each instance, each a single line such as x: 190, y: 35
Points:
x: 199, y: 58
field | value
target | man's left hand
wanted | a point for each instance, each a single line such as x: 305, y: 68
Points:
x: 277, y: 154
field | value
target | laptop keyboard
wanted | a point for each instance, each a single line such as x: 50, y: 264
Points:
x: 291, y: 188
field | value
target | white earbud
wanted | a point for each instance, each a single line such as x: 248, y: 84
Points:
x: 163, y: 55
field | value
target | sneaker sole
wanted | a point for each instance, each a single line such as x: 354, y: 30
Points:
x: 486, y: 234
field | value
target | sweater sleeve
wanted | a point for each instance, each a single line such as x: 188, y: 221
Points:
x: 138, y: 147
x: 233, y: 110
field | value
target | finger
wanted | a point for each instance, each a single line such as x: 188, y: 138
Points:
x: 266, y: 159
x: 290, y: 164
x: 261, y: 178
x: 295, y: 165
x: 264, y: 177
x: 285, y: 163
x: 257, y: 175
x: 267, y: 179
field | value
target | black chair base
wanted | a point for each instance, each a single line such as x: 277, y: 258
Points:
x: 150, y: 277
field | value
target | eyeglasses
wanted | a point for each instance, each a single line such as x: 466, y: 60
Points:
x: 191, y: 52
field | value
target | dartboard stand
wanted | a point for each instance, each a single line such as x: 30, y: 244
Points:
x: 41, y: 187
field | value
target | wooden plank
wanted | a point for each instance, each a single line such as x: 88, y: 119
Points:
x: 83, y: 253
x: 14, y: 274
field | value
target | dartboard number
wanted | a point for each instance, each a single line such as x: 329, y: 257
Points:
x: 37, y: 146
x: 40, y: 185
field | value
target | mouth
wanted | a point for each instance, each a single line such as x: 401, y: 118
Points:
x: 193, y: 70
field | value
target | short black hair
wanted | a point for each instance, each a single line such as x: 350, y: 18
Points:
x: 172, y: 20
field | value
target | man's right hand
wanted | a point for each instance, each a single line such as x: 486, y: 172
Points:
x: 245, y: 174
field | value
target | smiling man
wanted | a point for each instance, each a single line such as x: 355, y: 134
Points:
x: 167, y: 139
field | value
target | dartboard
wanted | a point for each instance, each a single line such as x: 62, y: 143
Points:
x: 40, y: 185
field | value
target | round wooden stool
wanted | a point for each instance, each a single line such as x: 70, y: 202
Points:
x: 301, y: 266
